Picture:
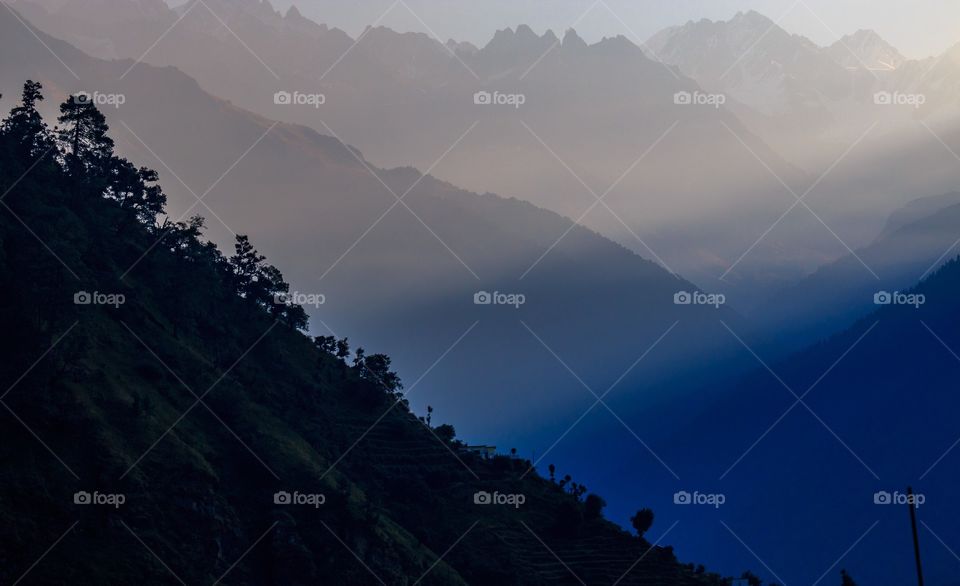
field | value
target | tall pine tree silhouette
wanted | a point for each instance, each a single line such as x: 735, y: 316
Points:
x: 84, y: 133
x: 26, y: 128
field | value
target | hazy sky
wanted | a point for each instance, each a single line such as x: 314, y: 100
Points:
x: 917, y: 27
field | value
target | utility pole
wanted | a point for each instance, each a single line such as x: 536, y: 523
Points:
x: 911, y: 502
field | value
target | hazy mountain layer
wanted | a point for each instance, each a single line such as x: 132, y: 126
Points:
x: 603, y: 113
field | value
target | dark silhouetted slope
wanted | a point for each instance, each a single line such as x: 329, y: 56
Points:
x: 199, y: 406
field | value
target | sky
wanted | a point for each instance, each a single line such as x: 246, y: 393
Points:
x: 919, y: 28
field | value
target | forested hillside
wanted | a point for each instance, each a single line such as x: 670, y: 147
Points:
x: 167, y: 420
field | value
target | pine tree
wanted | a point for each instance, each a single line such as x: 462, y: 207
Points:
x: 26, y: 128
x: 263, y: 284
x: 84, y: 134
x: 246, y: 263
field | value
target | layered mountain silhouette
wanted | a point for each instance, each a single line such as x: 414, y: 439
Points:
x: 590, y: 113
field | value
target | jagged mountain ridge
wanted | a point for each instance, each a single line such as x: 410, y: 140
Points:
x: 756, y: 61
x: 412, y: 89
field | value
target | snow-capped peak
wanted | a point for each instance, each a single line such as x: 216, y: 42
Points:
x: 865, y: 49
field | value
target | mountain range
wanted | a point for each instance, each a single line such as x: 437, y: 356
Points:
x: 401, y: 277
x: 594, y: 118
x: 634, y: 140
x: 811, y: 102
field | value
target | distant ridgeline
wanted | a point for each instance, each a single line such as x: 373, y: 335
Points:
x: 166, y: 420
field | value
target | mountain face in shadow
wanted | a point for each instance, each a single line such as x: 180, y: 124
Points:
x: 917, y: 239
x: 879, y: 417
x: 172, y: 425
x: 402, y: 278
